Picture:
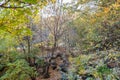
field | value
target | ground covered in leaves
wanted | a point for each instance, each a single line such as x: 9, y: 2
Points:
x: 102, y: 65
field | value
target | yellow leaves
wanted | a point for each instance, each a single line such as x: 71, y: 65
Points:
x: 45, y: 2
x: 41, y: 3
x: 82, y: 19
x: 39, y: 44
x: 106, y: 10
x: 51, y: 37
x: 78, y: 62
x: 116, y: 6
x: 37, y: 19
x: 82, y: 71
x: 112, y: 8
x: 98, y: 14
x: 95, y: 74
x: 83, y: 1
x: 93, y: 20
x: 73, y: 60
x: 70, y: 59
x: 53, y: 1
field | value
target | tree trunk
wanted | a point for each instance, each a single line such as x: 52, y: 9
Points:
x: 55, y: 45
x: 46, y: 70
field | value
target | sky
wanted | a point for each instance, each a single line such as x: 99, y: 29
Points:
x: 48, y: 12
x: 67, y: 1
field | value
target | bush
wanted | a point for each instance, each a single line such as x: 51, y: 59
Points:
x: 95, y: 66
x: 18, y: 70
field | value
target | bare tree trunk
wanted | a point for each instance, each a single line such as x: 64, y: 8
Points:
x: 46, y: 70
x: 55, y: 45
x: 27, y: 38
x: 28, y: 43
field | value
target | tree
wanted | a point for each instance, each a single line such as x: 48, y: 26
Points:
x: 14, y: 20
x: 55, y: 21
x: 14, y: 16
x: 95, y: 25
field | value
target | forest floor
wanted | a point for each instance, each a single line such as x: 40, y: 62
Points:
x: 111, y: 59
x: 54, y: 74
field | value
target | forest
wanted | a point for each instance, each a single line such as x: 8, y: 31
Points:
x: 59, y: 39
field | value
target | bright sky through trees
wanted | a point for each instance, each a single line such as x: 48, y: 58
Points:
x: 67, y: 1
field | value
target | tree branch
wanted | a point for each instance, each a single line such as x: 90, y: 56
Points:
x: 11, y: 7
x: 4, y: 3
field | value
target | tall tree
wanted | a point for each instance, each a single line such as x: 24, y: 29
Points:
x: 54, y: 21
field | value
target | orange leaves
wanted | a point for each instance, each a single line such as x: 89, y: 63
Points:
x: 106, y: 10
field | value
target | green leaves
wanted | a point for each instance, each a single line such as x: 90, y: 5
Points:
x: 30, y: 1
x: 103, y: 69
x: 97, y: 65
x: 18, y: 70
